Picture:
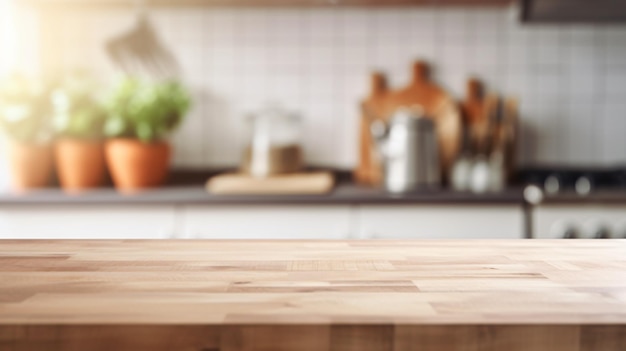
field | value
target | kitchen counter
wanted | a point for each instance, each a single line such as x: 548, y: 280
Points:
x: 344, y: 193
x: 186, y: 187
x: 313, y: 295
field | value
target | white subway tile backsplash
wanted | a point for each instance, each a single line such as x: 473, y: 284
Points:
x: 581, y: 34
x: 485, y: 27
x: 581, y: 85
x: 421, y: 24
x: 485, y: 57
x: 582, y: 57
x: 613, y: 39
x: 550, y: 85
x: 517, y: 84
x: 615, y: 84
x: 548, y: 35
x: 454, y: 25
x: 613, y: 140
x: 320, y: 27
x: 454, y: 80
x: 453, y: 56
x: 583, y: 133
x: 570, y: 80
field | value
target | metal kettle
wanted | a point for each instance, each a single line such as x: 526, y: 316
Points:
x: 409, y: 150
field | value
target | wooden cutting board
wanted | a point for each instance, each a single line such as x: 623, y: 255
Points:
x: 421, y: 91
x: 295, y: 183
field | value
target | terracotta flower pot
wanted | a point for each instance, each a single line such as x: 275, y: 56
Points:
x: 80, y: 164
x: 135, y: 165
x: 31, y: 165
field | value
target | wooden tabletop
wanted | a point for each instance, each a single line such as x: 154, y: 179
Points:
x: 313, y: 284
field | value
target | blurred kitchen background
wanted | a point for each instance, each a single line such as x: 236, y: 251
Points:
x: 565, y: 79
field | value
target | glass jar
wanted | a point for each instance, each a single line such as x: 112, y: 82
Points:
x: 274, y: 146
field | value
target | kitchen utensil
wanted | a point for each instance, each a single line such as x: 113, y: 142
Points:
x: 480, y: 175
x: 369, y: 169
x: 461, y: 172
x: 491, y: 126
x: 297, y: 183
x: 421, y: 91
x: 497, y: 178
x: 475, y: 110
x: 472, y: 109
x: 502, y: 132
x: 274, y: 143
x: 490, y: 169
x: 409, y: 150
x: 140, y: 50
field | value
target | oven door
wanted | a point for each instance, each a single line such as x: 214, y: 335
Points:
x: 588, y: 221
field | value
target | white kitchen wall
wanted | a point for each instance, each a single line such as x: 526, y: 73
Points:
x: 570, y: 80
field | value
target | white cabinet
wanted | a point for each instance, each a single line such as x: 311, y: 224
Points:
x: 267, y: 222
x: 261, y: 221
x: 87, y: 222
x: 441, y: 222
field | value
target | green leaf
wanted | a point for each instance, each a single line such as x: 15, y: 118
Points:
x: 145, y: 132
x: 115, y: 126
x: 25, y: 109
x: 77, y: 112
x: 150, y: 110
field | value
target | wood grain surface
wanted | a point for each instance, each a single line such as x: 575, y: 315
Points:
x: 267, y: 3
x: 313, y: 295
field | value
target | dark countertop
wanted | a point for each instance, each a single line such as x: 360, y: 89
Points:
x: 187, y: 188
x: 343, y: 194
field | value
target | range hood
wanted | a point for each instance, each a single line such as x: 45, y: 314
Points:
x: 574, y: 11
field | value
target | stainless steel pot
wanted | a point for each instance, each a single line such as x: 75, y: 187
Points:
x: 408, y: 147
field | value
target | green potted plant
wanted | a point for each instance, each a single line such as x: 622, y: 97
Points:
x: 25, y: 117
x: 141, y: 114
x: 79, y: 121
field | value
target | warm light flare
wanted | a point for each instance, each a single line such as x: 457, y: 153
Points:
x: 8, y: 37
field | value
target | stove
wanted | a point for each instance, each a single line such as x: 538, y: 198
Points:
x: 583, y: 182
x: 572, y: 203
